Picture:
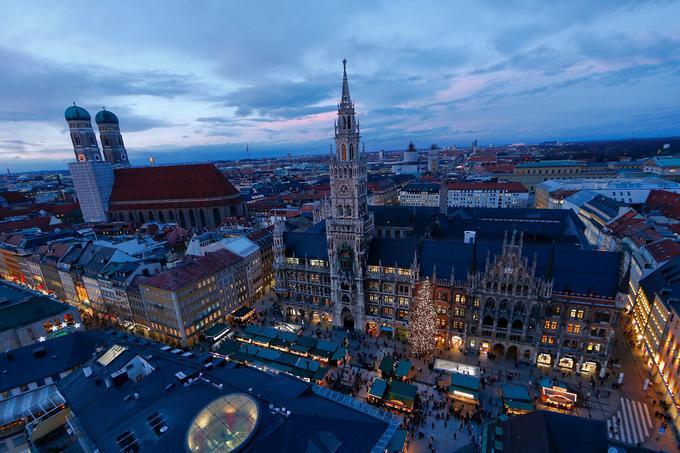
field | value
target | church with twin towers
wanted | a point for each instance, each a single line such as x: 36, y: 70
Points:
x: 93, y: 175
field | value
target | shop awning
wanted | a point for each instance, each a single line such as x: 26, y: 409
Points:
x: 519, y: 405
x: 242, y: 312
x: 386, y: 329
x: 464, y: 392
x: 216, y: 330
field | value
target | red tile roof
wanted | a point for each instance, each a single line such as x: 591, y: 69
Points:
x: 13, y: 197
x: 42, y: 222
x: 507, y: 186
x: 663, y: 250
x: 666, y: 202
x: 192, y: 270
x: 171, y: 186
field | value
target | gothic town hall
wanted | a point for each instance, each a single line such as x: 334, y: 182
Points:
x: 518, y: 283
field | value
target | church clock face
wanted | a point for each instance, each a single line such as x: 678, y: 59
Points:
x: 343, y: 189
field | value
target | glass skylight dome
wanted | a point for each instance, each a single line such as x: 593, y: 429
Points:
x: 224, y: 425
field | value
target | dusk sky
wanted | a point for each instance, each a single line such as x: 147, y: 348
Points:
x: 197, y: 81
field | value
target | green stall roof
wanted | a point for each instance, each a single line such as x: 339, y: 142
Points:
x: 387, y: 365
x: 378, y: 388
x: 403, y: 368
x: 515, y: 392
x: 465, y: 381
x: 401, y: 391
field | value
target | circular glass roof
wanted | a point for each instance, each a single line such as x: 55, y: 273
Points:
x: 224, y: 425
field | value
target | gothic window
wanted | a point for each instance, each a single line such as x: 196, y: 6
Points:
x: 76, y: 139
x: 92, y: 141
x: 141, y: 217
x: 132, y: 217
x: 182, y: 221
x: 351, y: 152
x: 216, y: 217
x: 517, y: 325
x: 489, y: 305
x: 504, y: 304
x: 192, y: 218
x: 344, y: 122
x: 519, y: 308
x: 344, y: 152
x: 161, y: 217
x: 151, y: 219
x: 348, y: 210
x: 340, y: 211
x: 171, y: 216
x: 487, y: 321
x: 120, y: 216
x: 525, y: 291
x: 502, y: 323
x: 201, y: 216
x: 106, y: 141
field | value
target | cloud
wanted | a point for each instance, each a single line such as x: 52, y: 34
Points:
x: 269, y: 74
x: 39, y: 89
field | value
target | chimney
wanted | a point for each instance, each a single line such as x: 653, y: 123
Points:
x: 469, y: 237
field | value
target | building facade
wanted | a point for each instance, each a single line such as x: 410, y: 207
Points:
x: 182, y: 302
x: 419, y: 194
x: 486, y: 195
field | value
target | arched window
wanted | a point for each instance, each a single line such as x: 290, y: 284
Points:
x: 487, y: 321
x: 201, y: 216
x: 192, y: 218
x: 131, y: 216
x: 351, y: 151
x: 182, y: 221
x: 344, y: 152
x: 171, y: 216
x: 348, y: 211
x: 141, y: 217
x: 340, y: 211
x: 216, y: 217
x: 151, y: 219
x: 161, y: 217
x: 502, y: 323
x: 120, y: 216
x: 344, y: 123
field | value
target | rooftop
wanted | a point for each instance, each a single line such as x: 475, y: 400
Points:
x: 20, y: 307
x: 169, y: 185
x: 192, y: 270
x: 263, y: 411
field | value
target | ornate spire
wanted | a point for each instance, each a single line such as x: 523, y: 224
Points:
x: 346, y: 101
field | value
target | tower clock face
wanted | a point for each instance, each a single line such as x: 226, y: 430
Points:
x: 343, y: 189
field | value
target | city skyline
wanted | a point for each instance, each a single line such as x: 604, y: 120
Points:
x: 216, y: 81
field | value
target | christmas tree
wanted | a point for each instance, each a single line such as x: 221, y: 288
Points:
x: 422, y: 321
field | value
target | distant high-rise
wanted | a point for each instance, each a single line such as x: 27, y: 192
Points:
x: 92, y: 177
x: 111, y: 138
x: 433, y: 159
x: 83, y: 138
x: 474, y: 145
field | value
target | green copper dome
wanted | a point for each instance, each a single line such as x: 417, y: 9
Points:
x: 75, y: 113
x: 106, y: 117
